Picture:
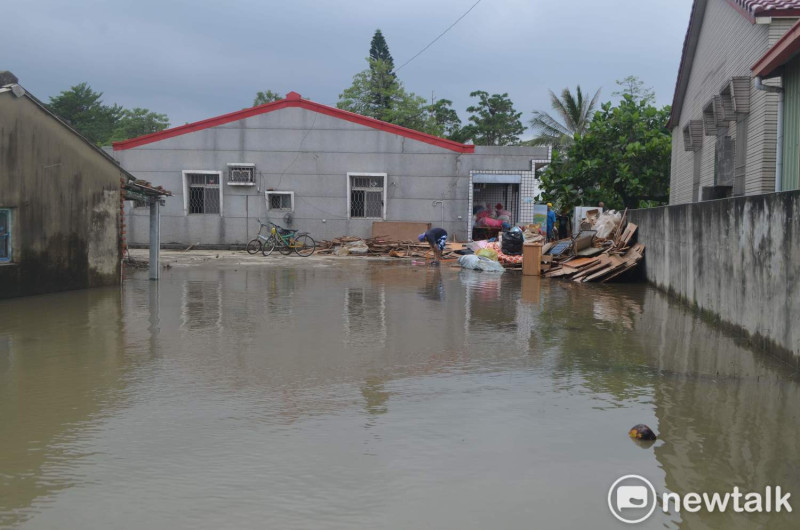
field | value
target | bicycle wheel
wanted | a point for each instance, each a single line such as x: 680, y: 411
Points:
x: 284, y: 245
x: 304, y: 246
x: 254, y: 246
x: 268, y: 246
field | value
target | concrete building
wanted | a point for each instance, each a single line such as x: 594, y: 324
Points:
x: 782, y: 62
x: 326, y: 171
x: 725, y: 122
x: 60, y: 201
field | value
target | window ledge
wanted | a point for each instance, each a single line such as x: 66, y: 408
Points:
x: 8, y: 264
x: 241, y: 183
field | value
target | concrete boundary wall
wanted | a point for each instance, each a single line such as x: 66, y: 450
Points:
x: 737, y: 259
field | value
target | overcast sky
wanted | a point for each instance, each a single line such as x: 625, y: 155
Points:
x: 195, y: 59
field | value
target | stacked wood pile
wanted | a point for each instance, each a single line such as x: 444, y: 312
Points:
x: 619, y: 256
x: 380, y: 247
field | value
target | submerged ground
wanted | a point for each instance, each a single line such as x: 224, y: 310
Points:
x: 348, y: 393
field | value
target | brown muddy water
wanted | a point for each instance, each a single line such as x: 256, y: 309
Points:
x: 355, y: 394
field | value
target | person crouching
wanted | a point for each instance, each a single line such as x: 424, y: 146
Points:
x: 437, y: 239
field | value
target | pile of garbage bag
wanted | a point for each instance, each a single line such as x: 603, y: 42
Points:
x: 480, y: 263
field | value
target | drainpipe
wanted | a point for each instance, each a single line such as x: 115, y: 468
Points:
x: 779, y: 148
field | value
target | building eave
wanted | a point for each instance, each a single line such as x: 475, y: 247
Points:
x: 779, y: 54
x: 687, y: 59
x: 43, y: 108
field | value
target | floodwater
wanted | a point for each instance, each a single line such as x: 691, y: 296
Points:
x: 356, y: 394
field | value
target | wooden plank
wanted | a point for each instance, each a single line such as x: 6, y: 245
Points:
x: 630, y: 230
x: 580, y: 262
x: 398, y: 231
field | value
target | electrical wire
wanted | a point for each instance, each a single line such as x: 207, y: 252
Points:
x: 439, y: 37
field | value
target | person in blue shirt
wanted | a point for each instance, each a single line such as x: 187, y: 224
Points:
x: 437, y: 239
x: 551, y: 220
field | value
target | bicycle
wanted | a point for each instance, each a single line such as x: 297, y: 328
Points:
x: 256, y: 245
x: 286, y: 241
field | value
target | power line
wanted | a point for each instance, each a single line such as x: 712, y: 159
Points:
x: 439, y: 37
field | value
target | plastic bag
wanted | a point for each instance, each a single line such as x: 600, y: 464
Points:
x: 487, y: 253
x: 357, y: 247
x: 607, y: 223
x: 512, y: 243
x: 480, y: 264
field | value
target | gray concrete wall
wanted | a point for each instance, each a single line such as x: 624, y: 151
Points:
x: 728, y: 46
x: 736, y: 259
x: 64, y: 198
x: 309, y: 153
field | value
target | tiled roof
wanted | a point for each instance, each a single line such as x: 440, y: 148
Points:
x: 766, y: 8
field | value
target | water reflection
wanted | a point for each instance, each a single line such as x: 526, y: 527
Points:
x: 375, y: 395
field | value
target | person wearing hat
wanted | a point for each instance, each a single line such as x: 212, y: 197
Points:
x: 437, y: 239
x: 501, y: 214
x: 551, y: 220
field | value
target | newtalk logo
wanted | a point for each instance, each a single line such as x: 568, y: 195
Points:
x: 632, y: 499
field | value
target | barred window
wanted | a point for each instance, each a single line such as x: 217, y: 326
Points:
x: 204, y: 193
x: 241, y: 174
x: 280, y: 200
x: 366, y: 195
x: 5, y: 235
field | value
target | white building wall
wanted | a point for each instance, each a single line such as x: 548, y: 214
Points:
x: 310, y: 154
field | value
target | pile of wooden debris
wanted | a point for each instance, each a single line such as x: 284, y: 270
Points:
x: 379, y: 247
x: 587, y: 258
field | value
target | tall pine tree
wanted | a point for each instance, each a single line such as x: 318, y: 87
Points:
x: 379, y: 50
x: 381, y: 66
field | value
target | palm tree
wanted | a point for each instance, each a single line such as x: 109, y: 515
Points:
x: 575, y: 113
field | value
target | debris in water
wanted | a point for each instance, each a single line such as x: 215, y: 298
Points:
x: 642, y: 432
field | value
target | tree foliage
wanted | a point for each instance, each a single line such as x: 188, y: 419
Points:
x: 138, y: 122
x: 634, y: 87
x: 375, y: 93
x: 493, y: 121
x: 378, y: 93
x: 379, y: 50
x: 443, y: 120
x: 574, y: 113
x: 268, y: 96
x: 101, y: 124
x: 623, y: 159
x: 83, y: 109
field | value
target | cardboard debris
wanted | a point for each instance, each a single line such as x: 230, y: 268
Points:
x: 592, y: 259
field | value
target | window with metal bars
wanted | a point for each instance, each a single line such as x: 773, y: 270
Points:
x: 5, y: 235
x: 241, y: 174
x: 204, y: 196
x: 366, y: 196
x: 280, y: 200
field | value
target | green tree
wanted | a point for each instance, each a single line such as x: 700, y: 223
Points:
x: 493, y: 121
x: 443, y: 120
x: 371, y: 95
x: 574, y: 113
x: 379, y: 50
x: 137, y: 122
x: 623, y: 159
x: 267, y: 96
x: 634, y: 87
x: 83, y: 109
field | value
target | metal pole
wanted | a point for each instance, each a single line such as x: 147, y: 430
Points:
x: 155, y: 238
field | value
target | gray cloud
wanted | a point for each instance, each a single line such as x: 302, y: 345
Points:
x: 193, y: 60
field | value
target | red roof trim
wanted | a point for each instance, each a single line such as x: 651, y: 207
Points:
x: 783, y: 50
x: 293, y: 99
